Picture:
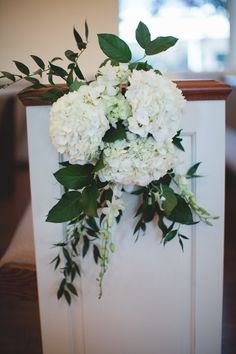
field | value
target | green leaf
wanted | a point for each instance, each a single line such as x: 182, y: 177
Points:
x: 61, y: 289
x: 86, y: 30
x: 148, y: 213
x: 96, y: 253
x: 72, y: 56
x: 70, y: 78
x: 99, y: 164
x: 142, y: 34
x: 85, y: 246
x: 79, y: 41
x: 67, y: 297
x: 75, y: 85
x: 193, y: 169
x: 22, y: 67
x: 55, y: 59
x: 114, y: 134
x: 68, y: 207
x: 72, y: 289
x: 182, y: 212
x: 170, y: 201
x: 78, y: 73
x: 160, y: 44
x: 181, y: 244
x: 58, y: 71
x: 66, y: 254
x: 33, y: 80
x: 38, y: 61
x: 75, y: 176
x: 170, y: 236
x: 114, y: 47
x: 140, y: 66
x: 8, y: 75
x: 177, y: 143
x: 89, y: 200
x: 92, y: 223
x: 106, y: 195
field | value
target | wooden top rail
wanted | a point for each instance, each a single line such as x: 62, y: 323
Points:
x: 193, y: 90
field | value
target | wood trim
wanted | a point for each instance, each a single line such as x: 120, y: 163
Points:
x: 193, y: 90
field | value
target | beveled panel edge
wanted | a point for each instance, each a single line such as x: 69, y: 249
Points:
x: 193, y: 90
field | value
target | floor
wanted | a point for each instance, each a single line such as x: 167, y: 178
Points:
x: 19, y: 321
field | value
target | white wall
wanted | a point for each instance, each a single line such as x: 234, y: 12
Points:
x: 45, y: 28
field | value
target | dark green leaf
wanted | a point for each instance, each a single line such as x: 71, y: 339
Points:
x: 96, y: 253
x: 22, y: 67
x: 160, y: 44
x: 66, y: 254
x: 162, y: 225
x: 77, y: 268
x: 148, y: 213
x: 8, y: 75
x: 183, y: 236
x: 89, y: 200
x: 38, y: 61
x: 78, y: 73
x: 142, y: 34
x: 32, y: 79
x: 92, y: 223
x: 86, y: 30
x: 139, y: 191
x: 68, y: 207
x: 72, y: 288
x: 106, y: 195
x: 182, y: 212
x: 70, y: 79
x: 140, y: 66
x: 181, y: 244
x: 75, y: 85
x: 193, y: 169
x: 61, y: 289
x: 91, y: 232
x: 75, y: 176
x: 114, y: 47
x: 55, y: 59
x: 67, y: 296
x: 79, y: 41
x: 169, y: 236
x: 58, y: 71
x: 177, y: 143
x: 170, y: 201
x: 114, y: 134
x: 85, y: 246
x: 99, y: 164
x: 72, y: 56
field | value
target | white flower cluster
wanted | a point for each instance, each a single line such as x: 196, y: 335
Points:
x: 137, y: 161
x: 77, y: 125
x: 156, y: 105
x: 150, y: 110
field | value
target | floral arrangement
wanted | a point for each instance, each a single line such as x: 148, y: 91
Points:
x: 119, y: 133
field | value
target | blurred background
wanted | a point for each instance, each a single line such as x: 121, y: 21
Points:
x: 206, y: 50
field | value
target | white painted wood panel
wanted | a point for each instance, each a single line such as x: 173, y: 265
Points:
x: 156, y: 300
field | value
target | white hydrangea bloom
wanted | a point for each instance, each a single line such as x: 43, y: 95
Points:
x: 77, y: 124
x: 156, y: 105
x: 116, y: 108
x: 137, y: 161
x: 110, y: 77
